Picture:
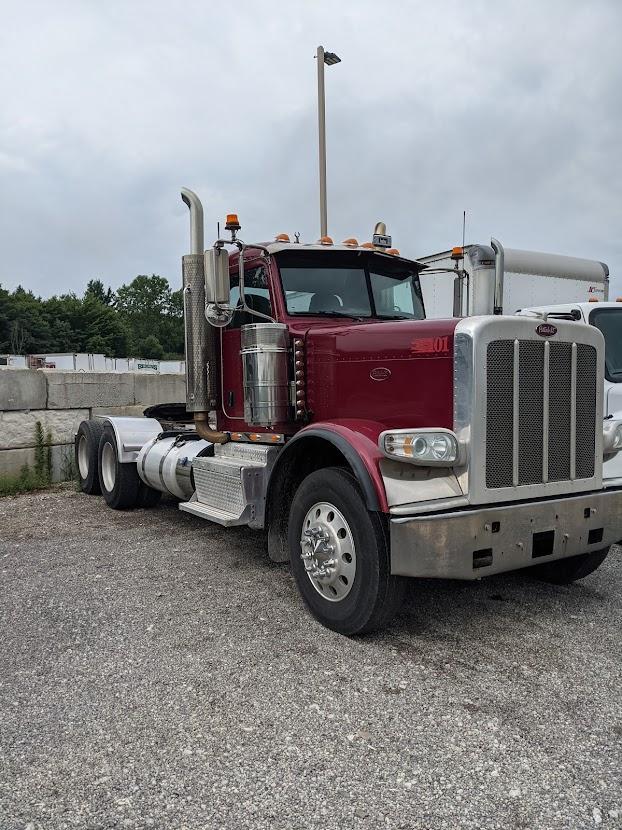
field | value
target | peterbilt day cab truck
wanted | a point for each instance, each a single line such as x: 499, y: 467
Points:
x: 371, y: 444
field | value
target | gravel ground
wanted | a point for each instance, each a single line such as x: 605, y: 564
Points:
x: 159, y: 671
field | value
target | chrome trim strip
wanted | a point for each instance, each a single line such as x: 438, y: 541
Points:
x: 545, y: 413
x: 573, y: 414
x: 515, y: 413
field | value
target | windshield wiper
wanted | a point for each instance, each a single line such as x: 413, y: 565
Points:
x: 328, y: 314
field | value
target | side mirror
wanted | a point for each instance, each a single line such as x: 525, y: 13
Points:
x: 217, y: 285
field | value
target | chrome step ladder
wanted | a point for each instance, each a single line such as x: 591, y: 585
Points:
x: 231, y: 485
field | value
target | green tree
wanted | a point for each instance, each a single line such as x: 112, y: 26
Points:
x: 95, y: 291
x: 97, y: 345
x: 151, y: 348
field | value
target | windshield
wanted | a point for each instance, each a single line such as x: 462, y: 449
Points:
x: 353, y: 285
x: 609, y: 321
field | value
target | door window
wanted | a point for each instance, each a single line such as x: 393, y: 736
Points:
x: 256, y: 294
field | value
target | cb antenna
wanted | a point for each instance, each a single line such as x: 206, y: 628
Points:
x: 463, y: 228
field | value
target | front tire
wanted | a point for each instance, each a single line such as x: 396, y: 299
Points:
x: 87, y: 456
x: 339, y: 555
x: 565, y: 571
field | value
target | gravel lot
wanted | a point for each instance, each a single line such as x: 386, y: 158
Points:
x: 159, y: 671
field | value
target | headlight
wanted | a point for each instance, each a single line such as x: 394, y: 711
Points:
x: 612, y: 436
x: 437, y: 447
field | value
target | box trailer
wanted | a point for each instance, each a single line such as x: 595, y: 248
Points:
x: 482, y: 279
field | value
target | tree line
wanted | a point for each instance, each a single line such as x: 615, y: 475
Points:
x: 141, y: 319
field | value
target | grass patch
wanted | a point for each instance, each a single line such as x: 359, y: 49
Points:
x: 25, y: 481
x: 38, y: 477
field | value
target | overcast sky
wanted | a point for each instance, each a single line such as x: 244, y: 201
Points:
x: 510, y: 110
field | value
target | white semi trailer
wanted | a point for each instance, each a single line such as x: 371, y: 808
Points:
x: 491, y: 279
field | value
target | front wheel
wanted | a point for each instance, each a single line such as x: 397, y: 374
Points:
x: 339, y: 555
x: 565, y: 571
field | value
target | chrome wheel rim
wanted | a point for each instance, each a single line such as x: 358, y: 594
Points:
x: 109, y: 466
x: 83, y: 456
x: 328, y: 552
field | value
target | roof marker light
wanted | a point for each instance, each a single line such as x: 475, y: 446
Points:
x: 593, y: 300
x: 325, y: 240
x: 282, y: 237
x: 393, y: 252
x: 351, y: 242
x: 368, y: 245
x: 457, y: 253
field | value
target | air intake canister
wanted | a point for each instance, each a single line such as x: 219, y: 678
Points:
x: 264, y: 362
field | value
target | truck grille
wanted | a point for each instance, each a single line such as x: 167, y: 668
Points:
x: 540, y: 412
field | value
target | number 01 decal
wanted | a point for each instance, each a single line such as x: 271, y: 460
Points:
x: 430, y: 345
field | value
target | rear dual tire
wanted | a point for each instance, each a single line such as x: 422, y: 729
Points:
x: 120, y: 483
x: 87, y: 441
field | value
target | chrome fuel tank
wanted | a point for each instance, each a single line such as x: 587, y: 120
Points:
x: 165, y: 463
x: 264, y: 361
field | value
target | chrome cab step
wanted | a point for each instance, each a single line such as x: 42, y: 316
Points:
x: 231, y: 485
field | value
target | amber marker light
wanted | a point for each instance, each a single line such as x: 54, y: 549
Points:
x: 393, y: 252
x: 325, y: 240
x: 457, y: 252
x: 351, y: 242
x: 282, y: 237
x: 232, y: 223
x: 368, y: 245
x: 593, y: 300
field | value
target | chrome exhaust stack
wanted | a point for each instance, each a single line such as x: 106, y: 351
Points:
x: 202, y: 359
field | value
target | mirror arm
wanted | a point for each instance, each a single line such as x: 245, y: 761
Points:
x: 252, y: 311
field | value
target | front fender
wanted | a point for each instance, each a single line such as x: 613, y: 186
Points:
x: 357, y: 440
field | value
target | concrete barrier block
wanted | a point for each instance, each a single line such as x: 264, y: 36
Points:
x: 17, y: 429
x: 12, y: 461
x: 74, y: 390
x: 152, y: 389
x: 22, y: 389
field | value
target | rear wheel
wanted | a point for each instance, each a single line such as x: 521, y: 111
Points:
x: 565, y: 571
x: 87, y: 454
x: 119, y: 482
x: 339, y: 555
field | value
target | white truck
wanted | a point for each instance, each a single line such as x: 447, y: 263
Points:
x: 481, y: 279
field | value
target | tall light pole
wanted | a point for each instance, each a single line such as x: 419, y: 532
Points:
x: 328, y: 58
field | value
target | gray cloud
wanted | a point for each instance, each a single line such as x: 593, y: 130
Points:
x: 508, y: 110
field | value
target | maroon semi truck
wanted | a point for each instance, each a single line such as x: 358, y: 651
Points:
x: 371, y: 444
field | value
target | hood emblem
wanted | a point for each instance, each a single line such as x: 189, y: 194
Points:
x: 380, y: 373
x: 546, y: 330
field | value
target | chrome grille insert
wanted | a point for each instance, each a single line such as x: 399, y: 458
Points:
x: 540, y: 412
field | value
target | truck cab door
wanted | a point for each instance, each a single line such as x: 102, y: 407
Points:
x: 257, y: 295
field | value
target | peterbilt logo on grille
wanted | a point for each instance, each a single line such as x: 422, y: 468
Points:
x: 380, y: 373
x: 546, y: 330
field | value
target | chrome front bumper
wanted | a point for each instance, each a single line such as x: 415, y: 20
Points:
x: 476, y: 542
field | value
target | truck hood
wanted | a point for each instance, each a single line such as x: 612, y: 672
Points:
x: 399, y: 374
